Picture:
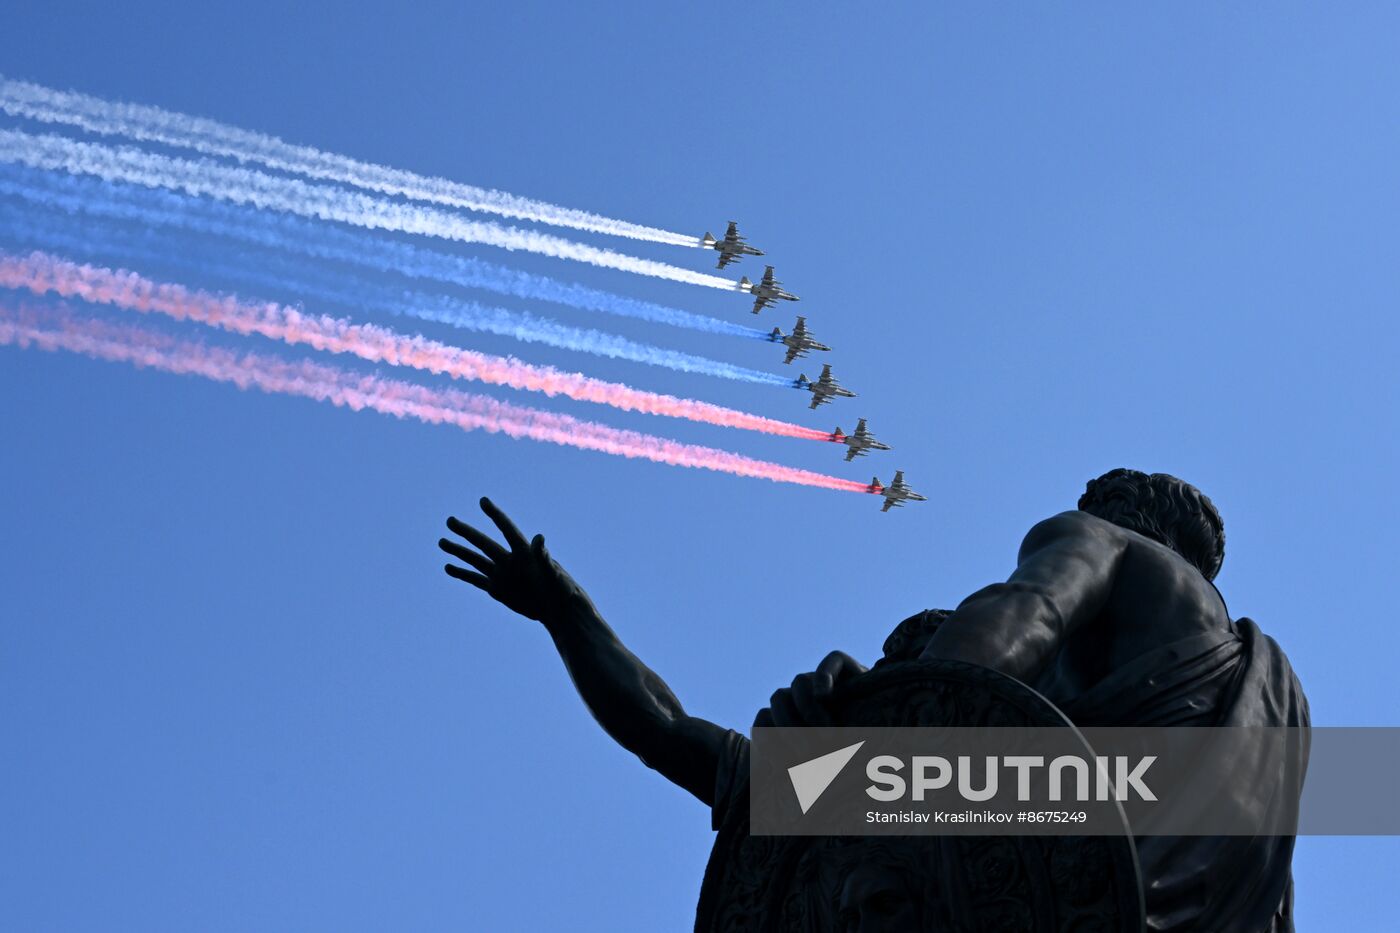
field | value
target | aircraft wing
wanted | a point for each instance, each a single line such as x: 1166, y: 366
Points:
x: 818, y: 400
x: 888, y: 503
x: 852, y: 453
x: 725, y: 258
x: 792, y: 354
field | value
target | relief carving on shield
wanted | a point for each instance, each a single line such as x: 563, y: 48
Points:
x: 1023, y: 884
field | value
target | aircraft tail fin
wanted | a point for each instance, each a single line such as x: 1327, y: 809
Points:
x: 709, y: 239
x: 745, y: 284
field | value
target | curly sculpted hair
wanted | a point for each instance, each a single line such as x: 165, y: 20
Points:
x: 1163, y: 508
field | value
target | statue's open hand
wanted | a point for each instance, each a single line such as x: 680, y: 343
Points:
x: 524, y: 577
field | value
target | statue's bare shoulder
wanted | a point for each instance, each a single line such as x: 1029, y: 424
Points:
x: 1154, y: 594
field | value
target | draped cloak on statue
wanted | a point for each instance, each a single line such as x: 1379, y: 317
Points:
x: 1236, y: 678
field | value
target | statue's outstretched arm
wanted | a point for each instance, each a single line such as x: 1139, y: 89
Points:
x: 628, y: 699
x: 1063, y: 578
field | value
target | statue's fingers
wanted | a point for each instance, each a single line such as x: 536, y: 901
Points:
x: 838, y: 665
x: 466, y: 555
x: 808, y: 695
x: 513, y: 537
x: 785, y: 711
x: 475, y: 579
x: 482, y: 540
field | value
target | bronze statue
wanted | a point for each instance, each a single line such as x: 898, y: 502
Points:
x: 1111, y: 616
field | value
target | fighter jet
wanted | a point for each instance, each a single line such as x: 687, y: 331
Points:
x: 766, y: 292
x: 896, y: 493
x: 824, y: 389
x: 859, y: 443
x: 731, y: 248
x: 798, y: 342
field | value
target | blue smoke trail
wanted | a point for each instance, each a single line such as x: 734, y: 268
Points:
x: 241, y: 185
x: 289, y: 233
x: 74, y: 236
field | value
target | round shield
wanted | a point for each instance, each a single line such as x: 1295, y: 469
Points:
x: 1025, y: 884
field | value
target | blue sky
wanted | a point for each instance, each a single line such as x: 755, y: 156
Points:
x: 238, y: 692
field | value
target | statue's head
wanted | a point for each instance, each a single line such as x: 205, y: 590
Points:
x: 1163, y: 508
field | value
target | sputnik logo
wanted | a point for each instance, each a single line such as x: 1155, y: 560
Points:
x: 811, y: 778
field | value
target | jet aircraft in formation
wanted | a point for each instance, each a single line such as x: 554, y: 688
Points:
x: 858, y: 444
x: 896, y: 493
x: 731, y: 248
x: 767, y: 292
x: 798, y: 342
x: 825, y: 388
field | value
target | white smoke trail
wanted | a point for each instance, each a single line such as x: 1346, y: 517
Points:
x: 212, y: 138
x: 246, y: 186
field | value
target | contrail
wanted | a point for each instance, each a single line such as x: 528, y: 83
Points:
x: 270, y: 192
x: 212, y: 138
x: 277, y: 272
x: 41, y: 274
x: 51, y: 330
x: 288, y: 233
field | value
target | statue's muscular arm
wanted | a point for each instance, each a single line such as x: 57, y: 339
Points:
x: 1063, y: 579
x: 629, y: 700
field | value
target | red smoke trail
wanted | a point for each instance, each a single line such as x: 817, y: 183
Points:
x: 50, y: 329
x: 40, y: 272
